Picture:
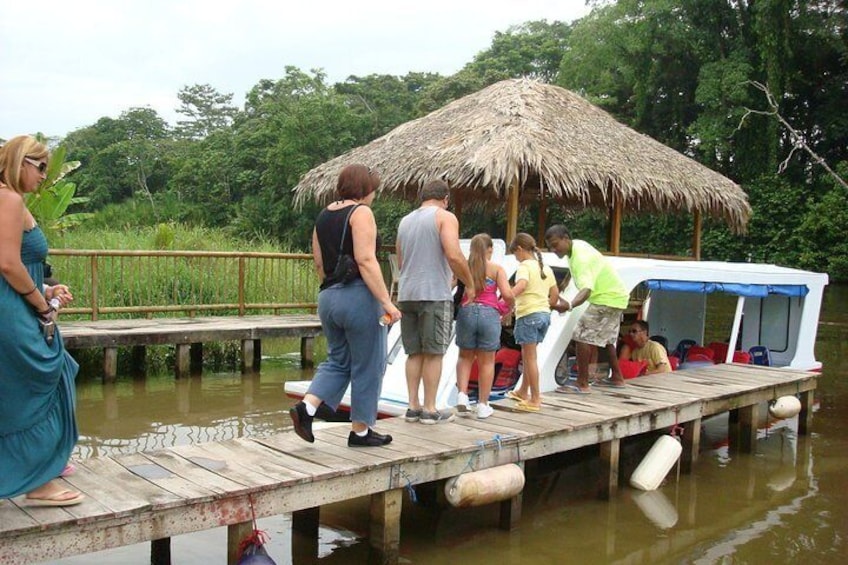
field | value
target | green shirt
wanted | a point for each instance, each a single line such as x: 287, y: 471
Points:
x: 590, y: 269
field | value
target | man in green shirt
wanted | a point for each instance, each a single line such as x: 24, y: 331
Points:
x: 598, y: 283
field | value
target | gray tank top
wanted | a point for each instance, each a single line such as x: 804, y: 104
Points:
x: 425, y: 273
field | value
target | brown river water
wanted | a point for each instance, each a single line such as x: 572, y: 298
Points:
x: 787, y: 502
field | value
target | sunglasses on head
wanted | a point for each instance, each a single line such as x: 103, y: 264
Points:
x: 42, y: 167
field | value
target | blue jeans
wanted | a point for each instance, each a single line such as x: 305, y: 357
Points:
x: 356, y: 350
x: 478, y: 327
x: 532, y: 328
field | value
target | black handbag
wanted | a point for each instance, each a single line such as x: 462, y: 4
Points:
x: 346, y: 268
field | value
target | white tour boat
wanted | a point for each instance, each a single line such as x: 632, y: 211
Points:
x: 777, y: 309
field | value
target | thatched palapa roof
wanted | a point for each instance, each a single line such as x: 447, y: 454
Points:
x: 547, y: 138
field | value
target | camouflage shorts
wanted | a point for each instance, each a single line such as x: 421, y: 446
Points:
x: 599, y: 325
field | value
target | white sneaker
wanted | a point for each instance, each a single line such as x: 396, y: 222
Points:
x: 462, y: 402
x: 484, y: 411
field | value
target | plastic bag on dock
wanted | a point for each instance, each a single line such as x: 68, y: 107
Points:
x: 252, y: 550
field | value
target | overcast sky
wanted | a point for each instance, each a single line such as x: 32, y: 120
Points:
x: 64, y: 65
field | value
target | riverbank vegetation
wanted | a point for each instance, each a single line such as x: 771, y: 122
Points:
x: 681, y: 71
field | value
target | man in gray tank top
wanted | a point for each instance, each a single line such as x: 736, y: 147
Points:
x: 428, y: 253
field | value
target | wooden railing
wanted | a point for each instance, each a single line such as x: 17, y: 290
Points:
x: 126, y: 284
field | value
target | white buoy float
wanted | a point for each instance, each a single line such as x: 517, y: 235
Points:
x: 657, y: 463
x: 785, y: 407
x: 485, y: 486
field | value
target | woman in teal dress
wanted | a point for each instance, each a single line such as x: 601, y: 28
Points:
x: 37, y: 422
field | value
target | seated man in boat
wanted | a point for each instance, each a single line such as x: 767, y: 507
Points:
x: 598, y: 284
x: 646, y: 349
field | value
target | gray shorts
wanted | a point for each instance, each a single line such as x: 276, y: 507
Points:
x: 425, y: 326
x: 599, y: 326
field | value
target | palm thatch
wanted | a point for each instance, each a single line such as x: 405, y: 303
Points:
x: 550, y: 140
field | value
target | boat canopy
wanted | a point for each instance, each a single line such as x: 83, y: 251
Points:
x: 738, y: 289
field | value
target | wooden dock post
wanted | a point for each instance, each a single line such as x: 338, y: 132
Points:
x: 195, y: 364
x: 247, y: 355
x: 805, y: 417
x: 742, y: 433
x: 183, y: 358
x: 691, y: 445
x: 236, y: 533
x: 160, y: 551
x: 510, y: 509
x: 138, y: 360
x: 385, y: 525
x: 110, y: 364
x: 609, y: 468
x: 307, y: 352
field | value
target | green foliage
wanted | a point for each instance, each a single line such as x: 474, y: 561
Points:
x: 55, y: 195
x: 821, y: 235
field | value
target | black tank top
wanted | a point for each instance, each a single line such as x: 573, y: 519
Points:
x: 329, y: 226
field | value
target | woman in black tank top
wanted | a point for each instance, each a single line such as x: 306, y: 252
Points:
x: 350, y: 310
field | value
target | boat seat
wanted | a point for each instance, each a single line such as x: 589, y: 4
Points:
x: 673, y: 362
x: 507, y: 361
x: 760, y: 355
x: 700, y: 352
x: 682, y: 348
x: 741, y: 357
x: 661, y: 339
x: 719, y: 350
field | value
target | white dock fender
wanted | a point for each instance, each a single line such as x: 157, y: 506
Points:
x: 657, y: 463
x: 785, y: 407
x: 482, y: 487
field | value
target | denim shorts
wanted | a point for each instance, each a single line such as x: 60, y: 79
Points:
x: 478, y: 327
x: 532, y: 327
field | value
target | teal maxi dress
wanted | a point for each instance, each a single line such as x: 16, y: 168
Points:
x: 38, y: 427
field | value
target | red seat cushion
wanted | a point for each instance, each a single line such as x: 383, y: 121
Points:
x: 632, y: 369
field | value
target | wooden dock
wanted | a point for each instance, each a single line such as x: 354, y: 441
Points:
x: 188, y: 335
x: 155, y: 495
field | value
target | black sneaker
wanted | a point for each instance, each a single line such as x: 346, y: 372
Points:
x: 302, y: 421
x: 371, y: 439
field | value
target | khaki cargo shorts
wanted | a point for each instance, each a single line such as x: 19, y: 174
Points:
x: 599, y: 326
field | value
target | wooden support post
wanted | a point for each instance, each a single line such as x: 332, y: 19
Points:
x: 307, y: 352
x: 247, y: 356
x: 110, y: 364
x: 543, y: 217
x: 748, y: 428
x: 805, y: 417
x: 305, y: 527
x: 236, y: 533
x: 195, y: 365
x: 691, y: 445
x: 615, y: 228
x: 385, y: 525
x: 182, y: 360
x: 609, y: 468
x: 160, y: 551
x: 696, y: 237
x: 306, y: 521
x: 510, y: 514
x: 257, y: 354
x: 138, y: 357
x: 512, y: 211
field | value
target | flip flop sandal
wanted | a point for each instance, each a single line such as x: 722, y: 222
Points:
x: 608, y: 383
x: 513, y: 396
x: 54, y: 499
x: 524, y: 407
x: 571, y: 389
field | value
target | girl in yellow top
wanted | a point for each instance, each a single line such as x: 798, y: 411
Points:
x: 535, y: 292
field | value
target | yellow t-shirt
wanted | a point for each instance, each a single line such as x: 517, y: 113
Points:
x: 535, y: 296
x: 652, y: 352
